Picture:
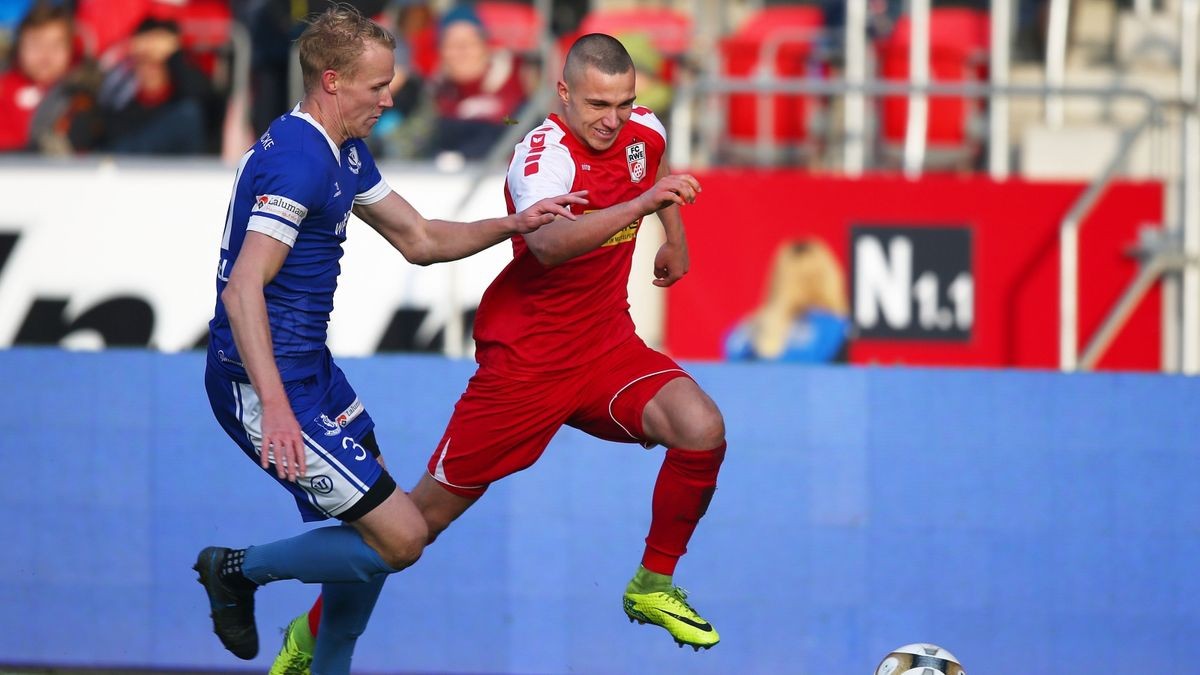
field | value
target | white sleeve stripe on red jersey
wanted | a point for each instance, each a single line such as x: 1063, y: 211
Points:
x: 647, y: 118
x: 541, y: 167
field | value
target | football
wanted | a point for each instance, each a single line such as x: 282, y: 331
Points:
x: 921, y: 658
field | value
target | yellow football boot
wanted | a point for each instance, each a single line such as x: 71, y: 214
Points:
x: 295, y: 657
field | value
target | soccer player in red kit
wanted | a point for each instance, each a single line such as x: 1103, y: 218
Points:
x: 555, y: 342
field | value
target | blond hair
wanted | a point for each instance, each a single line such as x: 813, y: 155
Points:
x: 334, y: 40
x: 806, y: 275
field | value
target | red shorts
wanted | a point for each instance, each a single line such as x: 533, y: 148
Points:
x: 502, y: 425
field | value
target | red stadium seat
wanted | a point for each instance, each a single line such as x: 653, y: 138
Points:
x: 204, y: 30
x: 789, y: 31
x: 510, y: 25
x: 669, y: 30
x: 204, y: 24
x: 958, y: 44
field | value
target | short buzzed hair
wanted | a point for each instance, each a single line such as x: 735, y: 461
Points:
x: 602, y: 52
x: 334, y: 40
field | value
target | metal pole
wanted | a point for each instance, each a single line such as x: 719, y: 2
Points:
x: 918, y: 76
x: 855, y: 105
x: 1056, y: 59
x: 1068, y: 295
x: 1001, y: 38
x: 1189, y: 20
x: 1124, y: 308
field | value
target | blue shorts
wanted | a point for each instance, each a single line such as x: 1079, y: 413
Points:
x: 344, y: 478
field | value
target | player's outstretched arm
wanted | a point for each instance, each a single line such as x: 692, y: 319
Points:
x: 557, y: 243
x: 257, y: 263
x: 423, y: 242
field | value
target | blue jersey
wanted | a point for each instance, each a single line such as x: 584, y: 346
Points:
x: 295, y: 186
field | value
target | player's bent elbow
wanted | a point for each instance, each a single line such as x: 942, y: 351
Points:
x: 231, y: 296
x: 546, y: 256
x: 415, y: 254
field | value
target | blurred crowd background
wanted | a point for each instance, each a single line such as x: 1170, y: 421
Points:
x: 1079, y: 94
x: 205, y: 77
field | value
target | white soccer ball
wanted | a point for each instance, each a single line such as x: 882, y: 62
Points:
x: 921, y: 658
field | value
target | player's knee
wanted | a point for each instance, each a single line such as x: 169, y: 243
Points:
x: 405, y: 549
x: 707, y: 429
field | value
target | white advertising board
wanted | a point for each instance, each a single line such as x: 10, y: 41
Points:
x: 101, y: 253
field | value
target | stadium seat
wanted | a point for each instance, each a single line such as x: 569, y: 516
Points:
x: 669, y: 30
x: 204, y: 26
x: 513, y: 26
x: 790, y: 32
x: 107, y: 23
x: 204, y: 30
x: 958, y: 44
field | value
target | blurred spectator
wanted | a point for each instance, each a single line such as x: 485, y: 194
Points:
x: 11, y: 13
x: 476, y: 91
x: 44, y: 55
x: 273, y: 26
x: 651, y: 90
x: 400, y: 131
x: 154, y: 101
x: 416, y: 24
x: 804, y: 317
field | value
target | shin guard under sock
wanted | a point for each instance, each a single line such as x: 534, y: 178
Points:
x: 685, y: 486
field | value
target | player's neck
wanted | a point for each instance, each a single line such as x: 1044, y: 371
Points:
x: 324, y: 113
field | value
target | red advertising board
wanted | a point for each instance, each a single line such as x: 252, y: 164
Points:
x: 1002, y: 243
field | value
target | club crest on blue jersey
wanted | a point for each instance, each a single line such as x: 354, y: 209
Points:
x: 352, y: 161
x: 331, y: 428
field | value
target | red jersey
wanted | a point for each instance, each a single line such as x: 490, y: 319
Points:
x: 19, y: 99
x: 536, y: 319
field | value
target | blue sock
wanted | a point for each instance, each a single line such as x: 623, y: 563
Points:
x: 344, y: 614
x: 335, y: 553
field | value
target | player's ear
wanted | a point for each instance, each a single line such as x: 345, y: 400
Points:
x: 329, y: 80
x: 563, y: 92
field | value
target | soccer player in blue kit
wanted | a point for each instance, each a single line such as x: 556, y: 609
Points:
x: 271, y: 381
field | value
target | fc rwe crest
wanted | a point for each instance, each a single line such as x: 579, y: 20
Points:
x: 635, y: 155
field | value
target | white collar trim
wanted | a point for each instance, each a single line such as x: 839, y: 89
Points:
x: 297, y: 112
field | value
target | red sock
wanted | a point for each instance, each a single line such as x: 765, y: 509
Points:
x: 314, y: 616
x: 685, y: 486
